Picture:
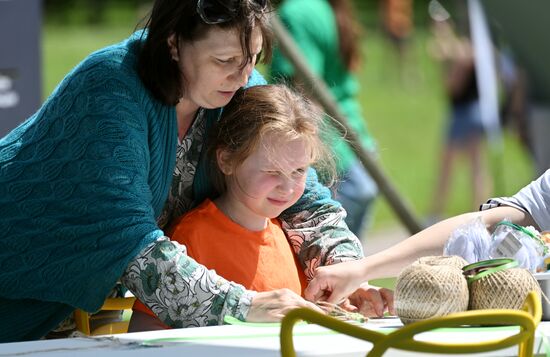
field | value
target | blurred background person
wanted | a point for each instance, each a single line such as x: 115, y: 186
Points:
x: 398, y: 26
x: 514, y: 102
x: 327, y: 33
x: 465, y: 131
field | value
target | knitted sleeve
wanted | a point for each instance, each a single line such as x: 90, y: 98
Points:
x: 75, y: 192
x: 316, y: 229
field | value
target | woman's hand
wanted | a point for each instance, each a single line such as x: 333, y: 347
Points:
x: 333, y: 283
x: 272, y: 306
x: 370, y: 301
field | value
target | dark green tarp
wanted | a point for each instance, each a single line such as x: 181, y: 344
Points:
x: 525, y: 26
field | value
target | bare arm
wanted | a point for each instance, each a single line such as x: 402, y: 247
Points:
x: 338, y: 281
x: 430, y: 241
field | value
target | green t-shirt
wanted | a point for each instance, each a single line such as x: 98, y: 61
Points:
x: 313, y: 27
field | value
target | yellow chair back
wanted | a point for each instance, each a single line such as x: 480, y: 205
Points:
x: 403, y: 338
x: 107, y: 320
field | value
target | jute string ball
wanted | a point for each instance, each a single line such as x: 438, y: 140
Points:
x: 505, y: 289
x: 426, y: 289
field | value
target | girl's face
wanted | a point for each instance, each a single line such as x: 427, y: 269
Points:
x: 212, y: 66
x: 268, y: 181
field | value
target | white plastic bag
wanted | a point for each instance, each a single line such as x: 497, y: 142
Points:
x: 470, y: 241
x: 513, y: 241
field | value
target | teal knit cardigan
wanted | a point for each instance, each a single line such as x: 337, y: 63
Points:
x: 82, y: 183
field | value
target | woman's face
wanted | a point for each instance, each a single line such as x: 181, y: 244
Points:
x: 212, y: 66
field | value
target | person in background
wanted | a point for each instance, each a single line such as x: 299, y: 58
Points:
x: 514, y: 104
x: 327, y: 33
x: 398, y: 26
x: 465, y: 131
x: 90, y: 182
x: 259, y: 153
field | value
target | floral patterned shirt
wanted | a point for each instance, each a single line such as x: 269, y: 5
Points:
x: 183, y: 293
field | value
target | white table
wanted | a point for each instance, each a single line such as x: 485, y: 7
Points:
x: 236, y: 340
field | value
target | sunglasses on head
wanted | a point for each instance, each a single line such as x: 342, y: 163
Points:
x: 214, y: 12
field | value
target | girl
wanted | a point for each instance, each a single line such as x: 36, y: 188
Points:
x: 261, y: 150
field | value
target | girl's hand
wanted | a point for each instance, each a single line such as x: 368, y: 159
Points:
x: 370, y: 301
x: 272, y: 306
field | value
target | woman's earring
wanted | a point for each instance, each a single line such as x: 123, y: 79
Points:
x: 174, y: 55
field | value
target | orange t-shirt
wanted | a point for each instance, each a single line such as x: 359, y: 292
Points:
x: 260, y: 261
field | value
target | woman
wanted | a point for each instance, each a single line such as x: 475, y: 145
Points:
x: 89, y: 182
x: 465, y: 131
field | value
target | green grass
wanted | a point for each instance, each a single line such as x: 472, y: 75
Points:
x: 406, y: 119
x: 65, y: 46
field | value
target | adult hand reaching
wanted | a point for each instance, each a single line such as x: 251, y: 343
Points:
x: 272, y: 306
x: 333, y: 283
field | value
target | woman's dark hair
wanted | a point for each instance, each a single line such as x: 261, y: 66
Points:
x: 156, y: 68
x: 348, y: 33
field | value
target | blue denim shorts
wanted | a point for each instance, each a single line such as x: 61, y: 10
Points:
x: 465, y: 122
x: 356, y: 192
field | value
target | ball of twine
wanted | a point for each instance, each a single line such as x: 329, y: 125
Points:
x: 452, y: 260
x: 423, y: 291
x: 505, y: 289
